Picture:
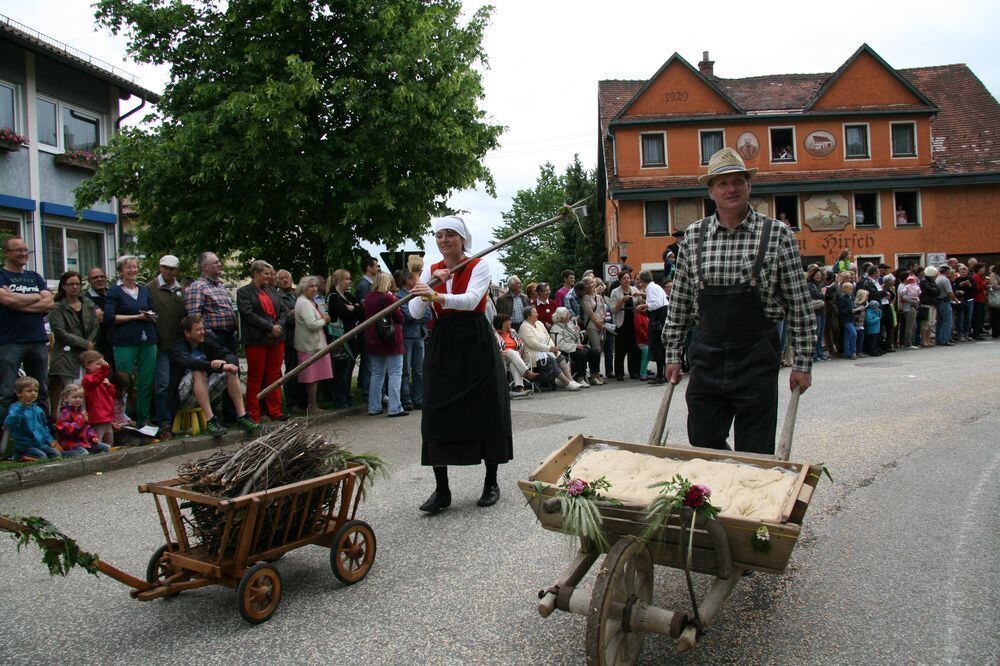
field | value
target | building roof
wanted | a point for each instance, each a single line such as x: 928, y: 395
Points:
x: 35, y: 41
x: 965, y: 130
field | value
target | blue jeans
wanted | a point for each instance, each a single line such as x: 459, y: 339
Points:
x: 819, y: 353
x: 161, y: 381
x: 381, y: 366
x: 72, y: 453
x: 850, y: 339
x: 412, y: 390
x: 39, y: 452
x: 35, y: 357
x: 963, y: 318
x: 942, y: 334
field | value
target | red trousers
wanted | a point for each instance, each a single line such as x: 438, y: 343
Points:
x: 263, y: 369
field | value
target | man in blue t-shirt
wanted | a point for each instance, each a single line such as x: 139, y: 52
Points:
x: 25, y: 299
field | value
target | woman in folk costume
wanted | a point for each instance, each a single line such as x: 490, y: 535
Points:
x: 466, y: 414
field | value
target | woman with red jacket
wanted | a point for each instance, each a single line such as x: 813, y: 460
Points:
x: 385, y: 348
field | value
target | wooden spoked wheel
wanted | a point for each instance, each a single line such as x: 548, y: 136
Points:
x: 353, y: 551
x: 259, y: 593
x: 625, y: 578
x: 159, y: 568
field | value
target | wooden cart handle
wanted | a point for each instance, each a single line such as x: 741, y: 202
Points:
x: 788, y: 428
x: 660, y: 424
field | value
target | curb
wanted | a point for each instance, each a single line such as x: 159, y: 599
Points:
x: 38, y: 475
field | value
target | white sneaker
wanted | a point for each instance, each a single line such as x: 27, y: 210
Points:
x: 583, y: 383
x: 573, y: 386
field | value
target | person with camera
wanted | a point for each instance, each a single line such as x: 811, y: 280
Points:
x: 129, y: 308
x: 624, y: 299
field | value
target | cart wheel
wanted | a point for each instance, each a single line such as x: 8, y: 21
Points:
x: 353, y: 551
x: 626, y: 576
x: 259, y: 593
x: 159, y: 567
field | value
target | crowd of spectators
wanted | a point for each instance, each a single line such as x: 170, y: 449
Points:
x: 104, y: 356
x: 94, y: 353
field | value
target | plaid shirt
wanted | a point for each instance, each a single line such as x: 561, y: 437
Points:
x: 729, y: 258
x: 208, y: 298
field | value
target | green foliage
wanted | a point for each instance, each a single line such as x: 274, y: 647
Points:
x: 291, y: 130
x: 59, y: 552
x: 542, y: 256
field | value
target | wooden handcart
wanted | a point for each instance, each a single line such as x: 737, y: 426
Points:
x: 257, y: 530
x: 618, y: 609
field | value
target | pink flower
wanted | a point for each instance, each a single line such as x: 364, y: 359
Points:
x: 576, y: 487
x: 697, y: 495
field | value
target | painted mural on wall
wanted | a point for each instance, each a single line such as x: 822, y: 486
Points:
x: 686, y: 211
x: 826, y: 212
x: 747, y: 145
x: 820, y: 143
x: 762, y: 205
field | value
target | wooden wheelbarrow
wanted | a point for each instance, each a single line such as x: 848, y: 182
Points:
x: 618, y: 608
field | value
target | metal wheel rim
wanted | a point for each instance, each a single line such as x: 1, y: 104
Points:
x: 353, y: 555
x: 625, y: 577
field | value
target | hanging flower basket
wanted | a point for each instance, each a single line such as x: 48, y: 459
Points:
x: 81, y: 159
x: 10, y: 141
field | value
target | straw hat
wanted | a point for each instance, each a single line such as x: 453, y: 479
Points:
x: 725, y: 161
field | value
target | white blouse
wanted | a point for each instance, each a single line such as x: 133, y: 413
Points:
x: 479, y: 282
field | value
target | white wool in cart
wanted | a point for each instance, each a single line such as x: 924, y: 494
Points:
x: 737, y: 489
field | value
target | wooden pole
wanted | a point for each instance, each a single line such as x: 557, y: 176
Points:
x: 578, y: 209
x: 656, y: 438
x: 788, y: 427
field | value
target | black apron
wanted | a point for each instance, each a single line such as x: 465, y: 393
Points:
x: 466, y: 409
x: 734, y: 361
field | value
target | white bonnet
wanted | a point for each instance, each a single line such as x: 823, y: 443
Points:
x: 456, y: 224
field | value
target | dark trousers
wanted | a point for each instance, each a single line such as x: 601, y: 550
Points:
x: 625, y: 346
x: 35, y: 358
x: 295, y: 394
x: 657, y: 353
x: 581, y: 358
x: 733, y: 383
x: 978, y: 318
x: 228, y: 340
x: 343, y: 368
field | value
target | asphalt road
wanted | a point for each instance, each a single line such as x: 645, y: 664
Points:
x: 897, y: 563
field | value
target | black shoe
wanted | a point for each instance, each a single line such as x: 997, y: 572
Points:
x: 436, y: 503
x: 656, y: 382
x: 490, y: 495
x: 404, y: 413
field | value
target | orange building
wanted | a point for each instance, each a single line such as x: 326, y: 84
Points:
x: 894, y: 164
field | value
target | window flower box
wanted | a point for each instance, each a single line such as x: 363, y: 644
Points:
x: 10, y: 141
x: 80, y: 159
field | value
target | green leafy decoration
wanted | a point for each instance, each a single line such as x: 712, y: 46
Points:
x: 760, y: 540
x: 823, y: 470
x: 59, y: 552
x: 578, y: 504
x: 674, y: 495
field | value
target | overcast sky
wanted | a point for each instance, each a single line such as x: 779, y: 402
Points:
x: 546, y: 57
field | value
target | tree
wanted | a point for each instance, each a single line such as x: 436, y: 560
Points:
x: 292, y: 129
x: 543, y: 256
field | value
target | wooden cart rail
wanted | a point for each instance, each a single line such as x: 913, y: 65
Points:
x: 627, y: 519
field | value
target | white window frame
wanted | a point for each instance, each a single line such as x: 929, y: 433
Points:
x: 770, y: 145
x: 867, y: 258
x: 878, y: 210
x: 702, y: 158
x: 868, y: 134
x: 18, y: 120
x: 920, y: 212
x: 64, y: 224
x: 892, y: 145
x: 642, y: 156
x: 921, y: 262
x: 645, y: 226
x: 60, y: 138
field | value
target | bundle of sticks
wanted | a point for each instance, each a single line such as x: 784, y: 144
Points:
x: 284, y: 456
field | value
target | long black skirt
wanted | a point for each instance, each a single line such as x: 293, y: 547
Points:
x: 466, y: 413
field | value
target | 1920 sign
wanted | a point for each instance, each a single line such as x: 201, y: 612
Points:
x: 677, y: 96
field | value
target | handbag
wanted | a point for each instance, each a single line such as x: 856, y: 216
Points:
x: 818, y: 304
x: 993, y: 299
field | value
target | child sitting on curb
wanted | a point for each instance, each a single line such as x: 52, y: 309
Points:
x: 72, y: 428
x: 28, y: 424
